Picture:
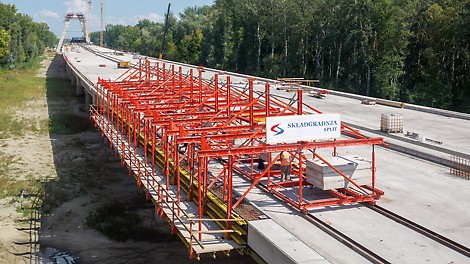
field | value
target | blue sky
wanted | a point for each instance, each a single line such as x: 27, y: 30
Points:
x: 126, y: 12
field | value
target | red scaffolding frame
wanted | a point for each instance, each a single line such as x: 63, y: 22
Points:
x: 182, y: 122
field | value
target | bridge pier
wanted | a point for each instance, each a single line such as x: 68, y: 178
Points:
x: 79, y: 89
x: 73, y: 79
x: 67, y: 72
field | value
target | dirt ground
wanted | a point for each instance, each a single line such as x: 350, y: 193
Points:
x: 78, y: 173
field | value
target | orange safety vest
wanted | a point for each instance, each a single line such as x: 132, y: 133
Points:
x: 285, y: 159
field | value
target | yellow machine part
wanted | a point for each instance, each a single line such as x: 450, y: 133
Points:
x: 124, y: 64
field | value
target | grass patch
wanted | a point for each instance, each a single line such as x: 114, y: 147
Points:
x: 59, y: 88
x: 20, y: 86
x: 14, y: 188
x: 5, y: 162
x: 4, y: 185
x: 67, y: 123
x: 8, y: 185
x: 34, y: 64
x: 117, y: 221
x: 29, y: 194
x: 17, y: 87
x: 44, y: 125
x: 10, y: 126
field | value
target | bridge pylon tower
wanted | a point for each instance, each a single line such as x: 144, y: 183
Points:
x: 68, y: 17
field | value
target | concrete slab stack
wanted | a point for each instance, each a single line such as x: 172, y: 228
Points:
x: 324, y: 177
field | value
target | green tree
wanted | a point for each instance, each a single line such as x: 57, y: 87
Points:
x: 411, y: 50
x: 190, y: 47
x: 438, y: 57
x: 21, y: 37
x: 4, y: 40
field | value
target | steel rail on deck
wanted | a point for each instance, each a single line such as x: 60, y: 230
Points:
x: 340, y: 236
x: 422, y: 230
x: 347, y: 241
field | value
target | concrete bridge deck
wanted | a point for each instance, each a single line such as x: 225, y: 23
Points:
x: 415, y: 188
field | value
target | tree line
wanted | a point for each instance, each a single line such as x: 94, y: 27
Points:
x: 414, y: 51
x: 21, y: 39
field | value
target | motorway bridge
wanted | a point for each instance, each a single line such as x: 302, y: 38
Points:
x: 197, y: 141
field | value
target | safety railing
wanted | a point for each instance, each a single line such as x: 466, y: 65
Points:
x: 164, y: 198
x: 460, y: 167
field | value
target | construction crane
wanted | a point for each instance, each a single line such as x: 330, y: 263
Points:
x: 164, y: 32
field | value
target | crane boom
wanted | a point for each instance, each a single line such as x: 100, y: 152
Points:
x: 164, y: 32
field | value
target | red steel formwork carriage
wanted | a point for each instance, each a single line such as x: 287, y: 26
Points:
x: 159, y: 117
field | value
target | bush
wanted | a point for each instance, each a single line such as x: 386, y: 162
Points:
x: 66, y: 124
x: 117, y: 222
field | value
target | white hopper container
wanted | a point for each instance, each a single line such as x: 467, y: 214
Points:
x: 324, y: 177
x: 391, y: 123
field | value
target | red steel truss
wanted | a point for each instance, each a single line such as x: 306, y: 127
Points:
x: 183, y: 123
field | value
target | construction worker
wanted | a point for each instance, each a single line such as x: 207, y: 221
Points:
x: 286, y: 160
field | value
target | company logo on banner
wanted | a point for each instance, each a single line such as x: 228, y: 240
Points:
x: 276, y: 129
x: 288, y: 129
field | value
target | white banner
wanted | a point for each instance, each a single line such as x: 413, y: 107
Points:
x: 288, y: 129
